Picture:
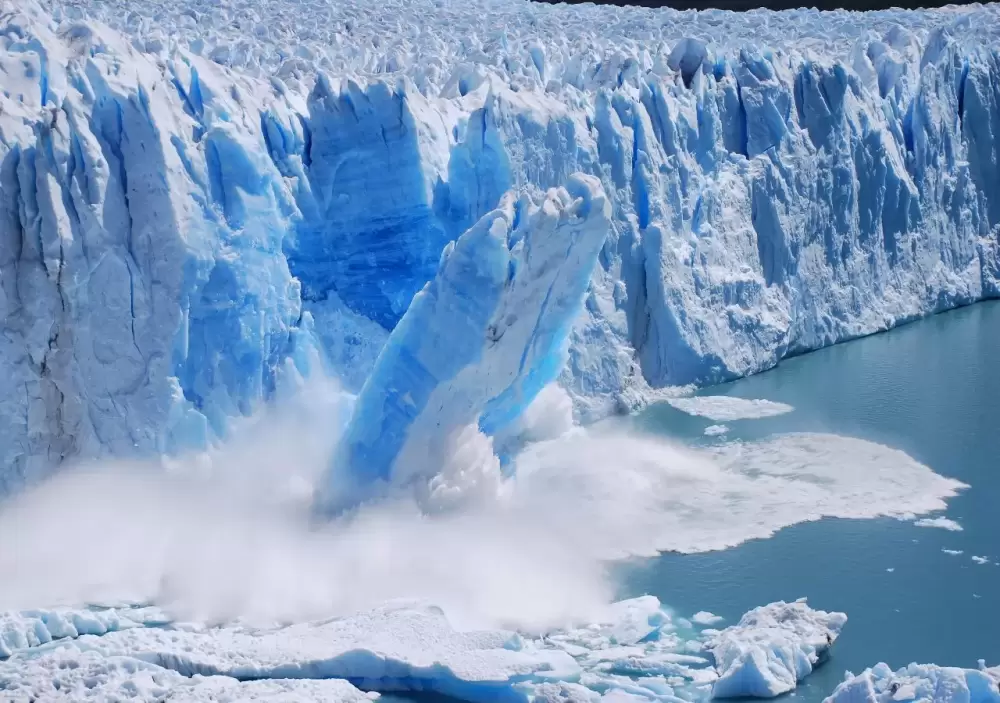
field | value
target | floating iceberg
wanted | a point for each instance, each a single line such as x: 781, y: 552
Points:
x: 941, y: 522
x: 772, y: 648
x: 920, y: 682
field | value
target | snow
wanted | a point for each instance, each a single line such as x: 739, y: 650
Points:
x: 919, y: 682
x: 772, y: 648
x: 723, y: 408
x: 940, y: 522
x: 204, y: 203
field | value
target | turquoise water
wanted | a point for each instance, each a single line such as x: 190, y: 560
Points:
x: 931, y: 389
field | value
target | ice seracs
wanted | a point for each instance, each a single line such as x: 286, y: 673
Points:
x: 189, y: 218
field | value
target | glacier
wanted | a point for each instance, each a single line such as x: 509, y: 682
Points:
x: 194, y: 221
x: 458, y: 210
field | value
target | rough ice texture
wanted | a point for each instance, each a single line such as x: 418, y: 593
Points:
x: 183, y: 195
x: 927, y: 683
x: 772, y: 648
x: 71, y: 675
x: 637, y: 647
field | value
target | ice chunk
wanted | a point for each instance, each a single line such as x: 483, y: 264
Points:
x: 953, y: 552
x: 723, y: 408
x: 772, y: 648
x: 716, y: 430
x: 477, y: 344
x: 73, y: 674
x: 940, y: 522
x: 919, y: 682
x: 981, y: 560
x: 703, y: 617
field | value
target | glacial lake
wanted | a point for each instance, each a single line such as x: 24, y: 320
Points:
x: 931, y: 389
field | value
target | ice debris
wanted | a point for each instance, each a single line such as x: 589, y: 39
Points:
x: 724, y: 408
x: 772, y: 648
x: 941, y: 522
x: 637, y: 647
x: 927, y: 683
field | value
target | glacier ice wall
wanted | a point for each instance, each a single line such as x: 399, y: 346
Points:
x: 478, y: 343
x: 190, y: 219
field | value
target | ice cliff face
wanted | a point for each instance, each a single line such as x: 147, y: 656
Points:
x: 191, y: 220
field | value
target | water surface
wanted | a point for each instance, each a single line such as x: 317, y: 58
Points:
x: 931, y: 389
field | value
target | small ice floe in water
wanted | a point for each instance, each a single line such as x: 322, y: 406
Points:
x: 939, y: 522
x: 771, y: 649
x: 703, y: 617
x: 891, y: 569
x: 981, y: 560
x: 722, y: 408
x: 919, y: 682
x: 716, y: 430
x: 953, y: 552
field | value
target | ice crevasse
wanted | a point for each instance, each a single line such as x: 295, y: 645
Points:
x: 190, y: 221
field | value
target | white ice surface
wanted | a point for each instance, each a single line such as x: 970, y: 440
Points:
x: 941, y: 522
x: 724, y: 408
x: 923, y: 683
x: 633, y: 648
x: 771, y: 649
x: 703, y: 617
x: 716, y: 430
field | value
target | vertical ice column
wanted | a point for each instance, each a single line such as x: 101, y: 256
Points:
x: 477, y: 343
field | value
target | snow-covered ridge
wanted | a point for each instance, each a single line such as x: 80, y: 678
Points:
x: 187, y: 227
